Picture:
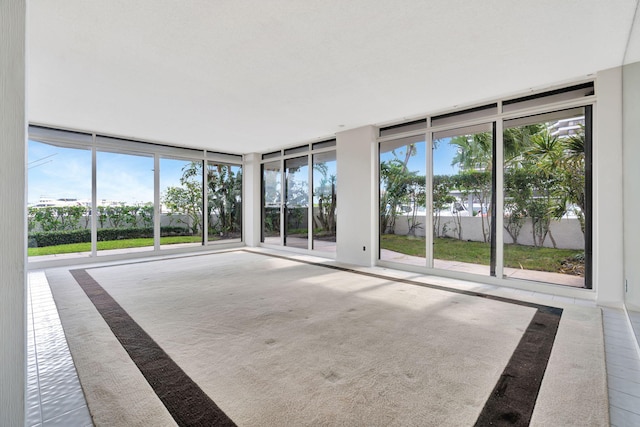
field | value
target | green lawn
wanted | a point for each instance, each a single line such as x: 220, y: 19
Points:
x: 516, y: 256
x: 111, y: 244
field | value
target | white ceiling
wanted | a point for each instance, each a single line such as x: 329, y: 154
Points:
x: 255, y: 75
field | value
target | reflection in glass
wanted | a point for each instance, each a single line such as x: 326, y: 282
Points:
x: 224, y: 184
x: 181, y: 203
x: 403, y: 200
x: 271, y: 201
x: 297, y: 202
x: 59, y: 199
x: 324, y: 201
x: 462, y: 199
x: 124, y: 185
x: 545, y: 198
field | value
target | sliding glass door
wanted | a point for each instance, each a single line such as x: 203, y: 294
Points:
x: 271, y: 202
x: 546, y: 197
x: 325, y: 201
x: 181, y: 203
x: 462, y: 199
x: 95, y: 195
x: 125, y: 195
x: 297, y: 202
x: 224, y: 202
x: 59, y: 199
x: 299, y: 197
x: 513, y: 205
x: 403, y: 200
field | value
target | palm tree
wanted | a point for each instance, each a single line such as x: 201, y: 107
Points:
x: 572, y: 185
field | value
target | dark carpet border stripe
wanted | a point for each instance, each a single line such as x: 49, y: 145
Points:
x: 185, y: 401
x: 513, y: 399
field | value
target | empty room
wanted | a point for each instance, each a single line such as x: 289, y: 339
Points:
x: 305, y: 213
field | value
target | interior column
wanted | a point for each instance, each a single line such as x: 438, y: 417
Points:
x: 12, y: 213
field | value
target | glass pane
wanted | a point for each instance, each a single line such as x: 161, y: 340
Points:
x: 181, y: 203
x: 271, y: 198
x: 403, y: 200
x: 544, y: 199
x: 59, y: 200
x: 324, y: 201
x: 297, y: 202
x: 462, y: 199
x: 125, y: 202
x: 224, y: 202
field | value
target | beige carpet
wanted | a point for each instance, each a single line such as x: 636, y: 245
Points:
x: 276, y: 342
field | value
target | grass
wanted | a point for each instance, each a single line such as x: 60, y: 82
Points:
x: 111, y: 244
x: 516, y: 256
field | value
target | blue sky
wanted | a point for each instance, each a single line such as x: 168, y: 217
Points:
x: 442, y: 157
x: 58, y: 172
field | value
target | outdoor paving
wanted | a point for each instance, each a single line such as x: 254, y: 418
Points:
x: 514, y: 273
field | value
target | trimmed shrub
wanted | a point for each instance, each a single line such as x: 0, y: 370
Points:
x: 175, y: 231
x: 106, y: 234
x: 38, y: 239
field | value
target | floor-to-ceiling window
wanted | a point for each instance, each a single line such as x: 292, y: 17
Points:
x: 181, y: 220
x: 224, y: 202
x: 325, y: 201
x: 545, y: 197
x: 125, y: 194
x: 299, y: 192
x: 462, y: 199
x: 508, y: 189
x: 59, y: 198
x: 271, y: 201
x: 403, y: 200
x: 297, y: 202
x: 95, y: 195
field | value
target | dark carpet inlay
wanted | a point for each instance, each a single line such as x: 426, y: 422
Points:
x: 185, y: 401
x: 514, y: 397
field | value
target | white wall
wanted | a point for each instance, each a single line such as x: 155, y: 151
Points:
x: 607, y: 189
x: 631, y: 151
x: 12, y: 212
x: 566, y: 231
x: 252, y: 199
x: 356, y: 225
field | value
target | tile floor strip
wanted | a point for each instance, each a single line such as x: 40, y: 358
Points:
x: 54, y: 394
x: 185, y: 401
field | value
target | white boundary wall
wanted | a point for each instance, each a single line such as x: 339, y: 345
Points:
x: 566, y: 232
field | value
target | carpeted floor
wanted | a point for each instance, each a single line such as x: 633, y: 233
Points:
x: 275, y: 341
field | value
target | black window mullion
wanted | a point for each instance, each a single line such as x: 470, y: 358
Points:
x: 494, y: 168
x: 205, y: 202
x: 588, y: 202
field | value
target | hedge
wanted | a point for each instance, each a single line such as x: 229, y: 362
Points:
x: 39, y: 239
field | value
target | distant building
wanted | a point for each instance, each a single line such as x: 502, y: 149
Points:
x: 45, y: 201
x: 566, y: 127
